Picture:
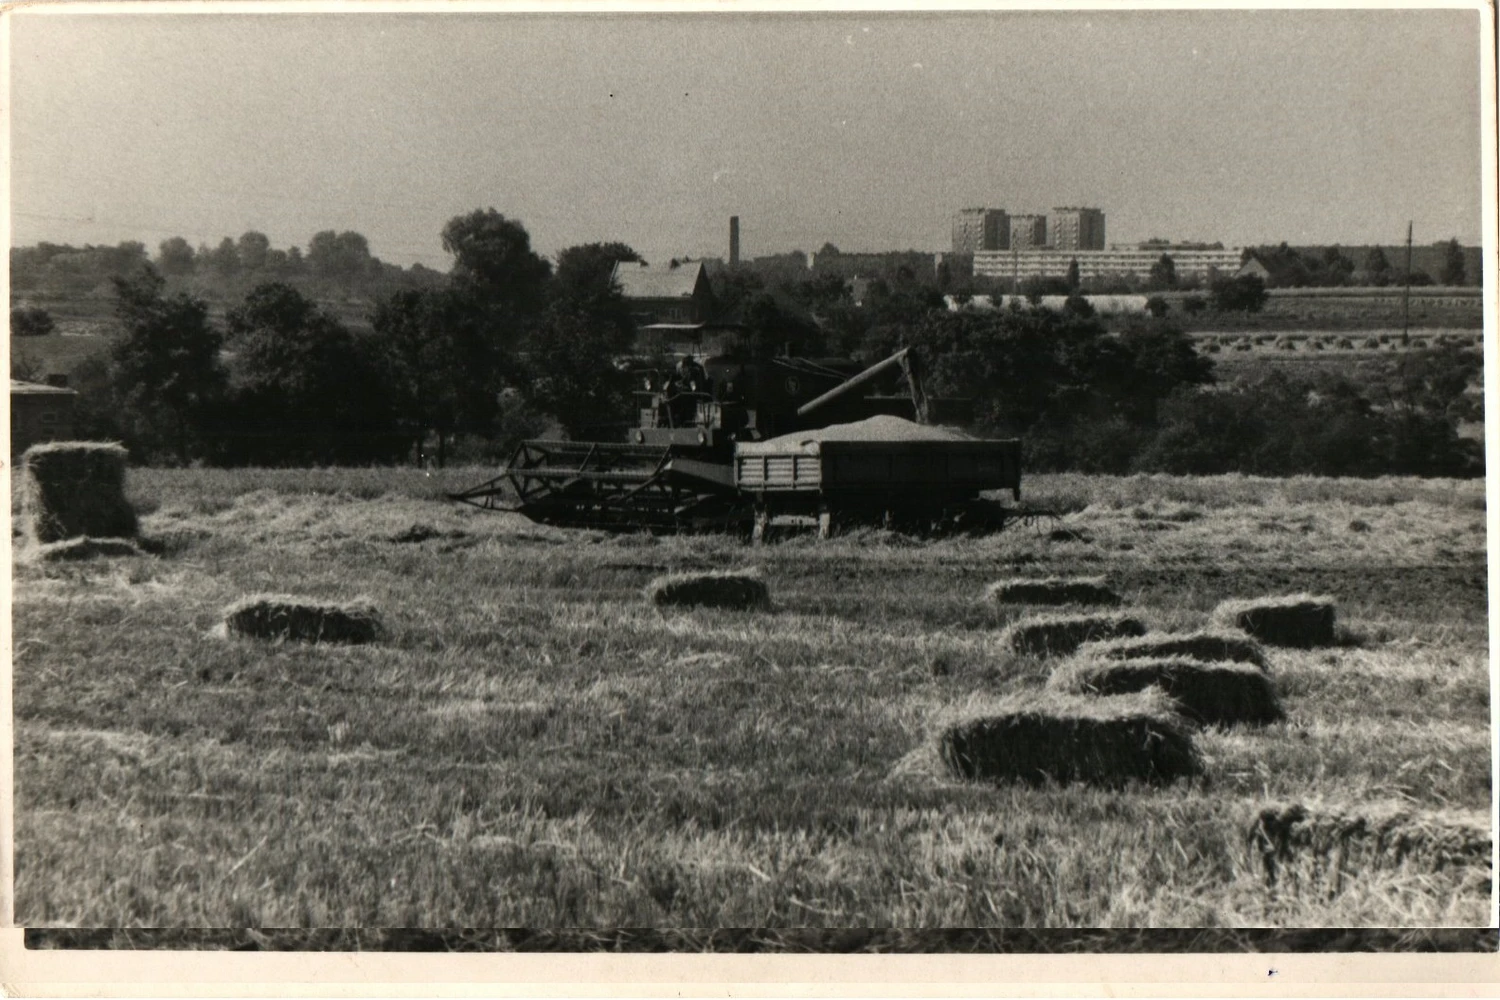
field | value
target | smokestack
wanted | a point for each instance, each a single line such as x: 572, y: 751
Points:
x: 734, y: 240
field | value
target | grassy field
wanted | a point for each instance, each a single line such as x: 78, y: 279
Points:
x: 534, y: 746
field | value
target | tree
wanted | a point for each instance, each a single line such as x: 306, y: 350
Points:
x: 175, y: 256
x: 1157, y: 306
x: 253, y: 248
x: 308, y: 391
x: 338, y: 256
x: 167, y: 373
x: 1073, y: 279
x: 1337, y: 269
x: 492, y: 256
x: 1164, y: 272
x: 1246, y: 293
x: 225, y: 259
x: 30, y: 321
x: 417, y: 348
x: 1453, y: 264
x: 584, y: 271
x: 572, y: 374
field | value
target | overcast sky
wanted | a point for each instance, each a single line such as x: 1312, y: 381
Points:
x: 866, y: 130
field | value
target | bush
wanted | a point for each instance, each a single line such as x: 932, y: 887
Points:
x: 1194, y: 304
x: 1157, y: 306
x: 30, y: 321
x: 1246, y: 293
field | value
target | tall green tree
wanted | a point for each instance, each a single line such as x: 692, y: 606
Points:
x: 571, y: 370
x: 1164, y: 272
x: 308, y: 391
x: 492, y: 257
x: 584, y: 271
x: 167, y: 373
x: 175, y: 256
x: 252, y: 249
x: 1073, y: 279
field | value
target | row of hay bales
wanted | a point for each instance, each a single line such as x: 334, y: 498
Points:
x: 1123, y: 704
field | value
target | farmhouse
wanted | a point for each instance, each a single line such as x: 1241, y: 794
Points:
x: 677, y: 295
x: 40, y: 412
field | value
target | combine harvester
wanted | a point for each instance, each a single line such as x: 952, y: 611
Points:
x: 788, y: 436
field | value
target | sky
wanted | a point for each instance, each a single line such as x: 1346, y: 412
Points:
x: 866, y: 130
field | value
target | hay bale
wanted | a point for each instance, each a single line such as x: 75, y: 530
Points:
x: 74, y: 549
x: 1300, y: 620
x: 1059, y: 635
x: 739, y: 589
x: 1045, y: 736
x: 1214, y: 694
x: 1322, y: 839
x: 74, y: 489
x: 1052, y: 590
x: 1205, y: 645
x: 297, y: 619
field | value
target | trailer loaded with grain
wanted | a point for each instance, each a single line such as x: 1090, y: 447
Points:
x: 742, y: 443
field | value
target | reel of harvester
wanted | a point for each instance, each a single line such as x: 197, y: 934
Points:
x: 595, y: 484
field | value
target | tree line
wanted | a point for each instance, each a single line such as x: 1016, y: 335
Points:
x: 508, y: 343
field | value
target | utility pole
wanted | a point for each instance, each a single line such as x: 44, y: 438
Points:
x: 1406, y: 295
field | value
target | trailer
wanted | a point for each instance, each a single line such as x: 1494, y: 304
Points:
x: 883, y: 470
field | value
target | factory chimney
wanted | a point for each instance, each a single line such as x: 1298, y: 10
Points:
x: 734, y: 240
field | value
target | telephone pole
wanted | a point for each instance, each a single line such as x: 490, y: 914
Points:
x: 1406, y: 295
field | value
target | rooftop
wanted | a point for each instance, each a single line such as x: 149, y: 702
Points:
x: 637, y: 281
x: 17, y: 387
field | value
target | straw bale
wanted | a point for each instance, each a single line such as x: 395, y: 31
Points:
x: 737, y: 589
x: 1215, y: 694
x: 1299, y: 620
x: 1207, y: 645
x: 74, y: 549
x: 1059, y: 635
x: 1319, y: 838
x: 1047, y: 736
x: 298, y: 619
x: 1052, y: 590
x: 76, y: 488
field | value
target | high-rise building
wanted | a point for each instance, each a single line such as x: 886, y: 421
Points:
x: 1076, y: 229
x: 977, y: 229
x: 1028, y: 232
x: 734, y: 241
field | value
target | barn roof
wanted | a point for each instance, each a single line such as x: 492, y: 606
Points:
x: 637, y: 281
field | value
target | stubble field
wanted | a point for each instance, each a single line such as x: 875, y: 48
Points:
x: 534, y: 746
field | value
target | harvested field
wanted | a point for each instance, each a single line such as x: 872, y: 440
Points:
x: 1209, y: 645
x: 533, y: 745
x: 297, y: 619
x: 739, y: 590
x: 1214, y: 694
x: 1298, y: 839
x: 1301, y: 621
x: 75, y: 489
x: 1059, y: 635
x: 1052, y: 590
x: 1056, y: 738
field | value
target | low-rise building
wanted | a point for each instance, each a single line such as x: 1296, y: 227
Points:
x: 680, y: 294
x: 1103, y: 263
x: 40, y: 412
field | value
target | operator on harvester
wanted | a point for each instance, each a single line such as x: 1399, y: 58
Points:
x: 682, y: 386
